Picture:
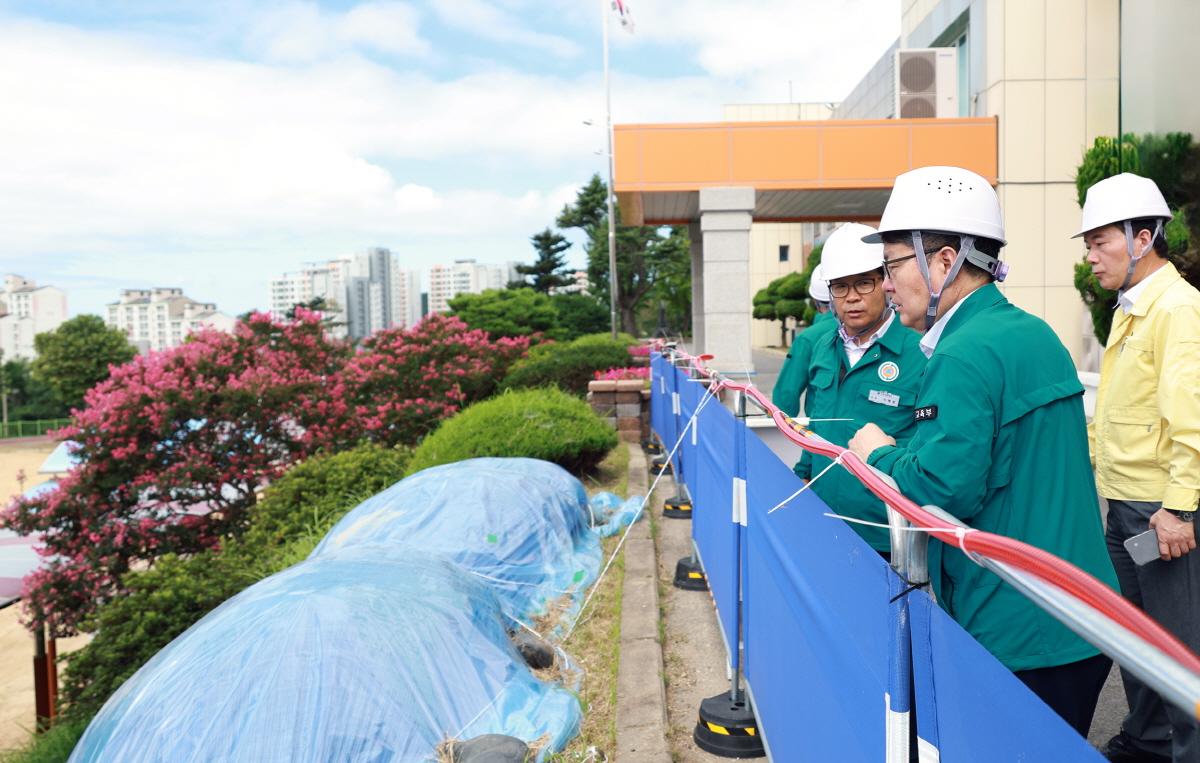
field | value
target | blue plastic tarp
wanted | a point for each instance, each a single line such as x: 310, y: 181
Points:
x: 360, y: 655
x: 519, y: 523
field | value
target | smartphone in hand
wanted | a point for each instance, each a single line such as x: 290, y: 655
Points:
x: 1143, y: 548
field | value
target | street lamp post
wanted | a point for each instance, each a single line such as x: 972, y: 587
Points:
x: 608, y: 133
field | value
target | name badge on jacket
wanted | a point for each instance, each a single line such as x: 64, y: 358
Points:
x: 884, y: 398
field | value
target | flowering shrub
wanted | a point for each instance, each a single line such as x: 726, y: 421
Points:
x: 172, y: 448
x: 175, y: 445
x: 619, y: 374
x: 406, y: 381
x: 640, y: 350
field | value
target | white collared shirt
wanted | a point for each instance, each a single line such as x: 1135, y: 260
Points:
x: 855, y: 351
x: 933, y: 335
x: 1128, y: 298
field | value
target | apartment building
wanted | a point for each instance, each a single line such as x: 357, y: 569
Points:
x: 465, y: 276
x: 160, y: 318
x: 27, y: 310
x: 364, y: 293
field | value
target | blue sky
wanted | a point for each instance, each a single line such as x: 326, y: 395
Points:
x: 214, y: 145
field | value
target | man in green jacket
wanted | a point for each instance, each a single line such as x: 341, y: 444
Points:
x: 793, y: 376
x: 868, y: 369
x: 1000, y: 440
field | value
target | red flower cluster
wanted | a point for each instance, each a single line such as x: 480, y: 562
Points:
x: 618, y: 374
x: 174, y: 446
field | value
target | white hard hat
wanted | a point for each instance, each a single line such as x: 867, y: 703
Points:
x: 943, y: 199
x: 818, y: 288
x: 846, y: 254
x: 1119, y: 198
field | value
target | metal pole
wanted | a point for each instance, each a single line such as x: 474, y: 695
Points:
x: 735, y: 690
x: 608, y: 134
x: 898, y: 713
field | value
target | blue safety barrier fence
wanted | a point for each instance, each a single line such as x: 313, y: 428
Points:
x: 826, y: 627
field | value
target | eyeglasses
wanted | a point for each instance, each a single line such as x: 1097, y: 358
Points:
x: 862, y: 286
x: 889, y: 264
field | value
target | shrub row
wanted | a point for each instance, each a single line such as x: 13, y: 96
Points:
x: 569, y: 366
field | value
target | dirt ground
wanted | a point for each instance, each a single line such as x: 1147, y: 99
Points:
x: 693, y: 652
x: 16, y: 643
x: 24, y: 455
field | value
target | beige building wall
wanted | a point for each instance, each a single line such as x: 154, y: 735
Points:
x: 1049, y: 70
x: 765, y: 266
x: 1158, y: 48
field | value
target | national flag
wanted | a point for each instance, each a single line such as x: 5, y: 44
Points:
x: 623, y: 14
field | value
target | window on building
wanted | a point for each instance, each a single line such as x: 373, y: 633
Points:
x: 784, y: 252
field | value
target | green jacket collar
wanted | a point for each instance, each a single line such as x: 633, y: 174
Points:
x: 976, y: 302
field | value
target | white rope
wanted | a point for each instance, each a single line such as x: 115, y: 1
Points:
x: 518, y: 582
x: 808, y: 484
x: 708, y: 395
x: 479, y: 714
x: 959, y: 532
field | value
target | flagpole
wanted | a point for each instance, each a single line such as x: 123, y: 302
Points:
x: 608, y: 132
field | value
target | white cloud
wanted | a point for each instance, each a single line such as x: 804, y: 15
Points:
x: 124, y: 161
x: 823, y: 47
x: 302, y: 32
x: 487, y: 22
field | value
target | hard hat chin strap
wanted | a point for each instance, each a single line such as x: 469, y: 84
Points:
x: 966, y: 253
x: 1134, y: 258
x: 935, y: 296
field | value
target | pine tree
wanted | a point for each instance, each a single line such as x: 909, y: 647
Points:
x: 548, y: 270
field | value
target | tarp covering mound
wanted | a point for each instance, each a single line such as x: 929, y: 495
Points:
x: 519, y: 523
x: 389, y: 639
x: 357, y: 655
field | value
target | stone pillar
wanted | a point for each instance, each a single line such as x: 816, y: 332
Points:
x: 725, y: 217
x: 697, y: 251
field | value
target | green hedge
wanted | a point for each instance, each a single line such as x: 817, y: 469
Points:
x: 537, y: 423
x: 294, y: 514
x: 571, y: 365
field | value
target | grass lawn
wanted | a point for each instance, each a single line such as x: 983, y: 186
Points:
x: 595, y: 644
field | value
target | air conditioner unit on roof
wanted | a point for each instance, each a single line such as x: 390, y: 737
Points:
x: 926, y: 83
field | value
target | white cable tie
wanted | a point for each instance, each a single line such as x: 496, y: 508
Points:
x: 809, y: 484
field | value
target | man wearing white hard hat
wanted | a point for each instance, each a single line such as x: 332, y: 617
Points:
x: 818, y: 289
x: 793, y: 375
x: 868, y: 369
x: 1000, y: 440
x: 1145, y: 438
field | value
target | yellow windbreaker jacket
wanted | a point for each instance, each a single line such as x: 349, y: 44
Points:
x: 1145, y: 436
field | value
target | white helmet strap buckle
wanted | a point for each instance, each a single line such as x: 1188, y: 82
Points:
x: 1133, y: 258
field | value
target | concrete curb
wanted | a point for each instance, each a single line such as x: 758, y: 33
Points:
x: 641, y: 695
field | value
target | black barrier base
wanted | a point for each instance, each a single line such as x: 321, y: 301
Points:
x: 660, y: 465
x: 678, y: 507
x: 728, y: 728
x: 652, y: 447
x: 689, y: 575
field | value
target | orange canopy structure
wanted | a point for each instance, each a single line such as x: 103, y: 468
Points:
x: 801, y: 171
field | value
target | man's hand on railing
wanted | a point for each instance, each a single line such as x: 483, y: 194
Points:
x: 868, y: 439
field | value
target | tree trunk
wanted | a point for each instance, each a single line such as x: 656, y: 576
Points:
x: 783, y: 333
x: 628, y: 320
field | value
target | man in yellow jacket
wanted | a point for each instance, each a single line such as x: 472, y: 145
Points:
x: 1145, y: 439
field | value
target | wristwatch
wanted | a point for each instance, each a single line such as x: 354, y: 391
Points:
x: 1183, y: 516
